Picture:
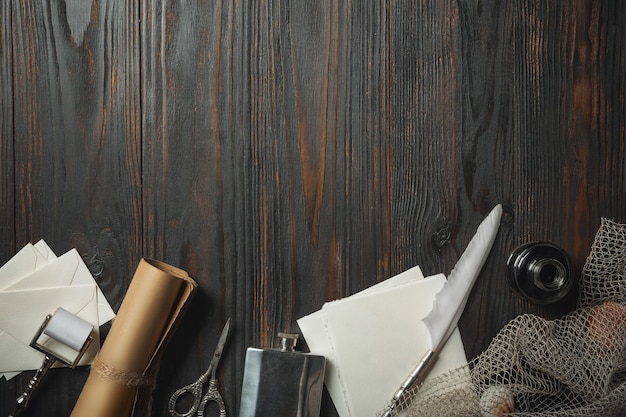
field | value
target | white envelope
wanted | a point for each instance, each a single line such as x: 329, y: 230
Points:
x: 36, y: 267
x: 45, y: 250
x: 25, y: 262
x: 64, y: 271
x: 25, y: 310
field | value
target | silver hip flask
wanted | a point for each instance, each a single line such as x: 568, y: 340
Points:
x: 282, y: 382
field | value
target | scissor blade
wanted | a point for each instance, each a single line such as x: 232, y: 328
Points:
x: 217, y: 355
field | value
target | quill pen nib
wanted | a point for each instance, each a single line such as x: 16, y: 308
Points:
x: 416, y: 377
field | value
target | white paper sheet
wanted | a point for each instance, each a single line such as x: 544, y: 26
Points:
x: 373, y: 339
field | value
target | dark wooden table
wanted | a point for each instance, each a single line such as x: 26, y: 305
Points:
x: 287, y: 153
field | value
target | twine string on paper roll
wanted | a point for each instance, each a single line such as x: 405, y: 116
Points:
x: 126, y: 378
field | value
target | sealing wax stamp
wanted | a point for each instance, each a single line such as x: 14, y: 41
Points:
x: 282, y: 382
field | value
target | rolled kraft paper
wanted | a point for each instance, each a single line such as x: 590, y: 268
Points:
x: 149, y: 313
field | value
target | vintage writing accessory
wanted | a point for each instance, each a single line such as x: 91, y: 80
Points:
x: 196, y: 389
x: 62, y: 337
x: 450, y: 302
x: 282, y: 382
x: 539, y: 272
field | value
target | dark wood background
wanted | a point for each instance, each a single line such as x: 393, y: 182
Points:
x: 287, y: 153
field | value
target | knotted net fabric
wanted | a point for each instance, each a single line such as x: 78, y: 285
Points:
x: 574, y: 366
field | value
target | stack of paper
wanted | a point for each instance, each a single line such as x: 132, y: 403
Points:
x: 373, y: 339
x: 33, y: 284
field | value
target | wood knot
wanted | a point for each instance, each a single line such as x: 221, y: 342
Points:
x: 442, y: 235
x: 96, y: 267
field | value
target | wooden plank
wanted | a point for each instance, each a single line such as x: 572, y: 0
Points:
x: 7, y: 197
x: 447, y: 114
x: 7, y: 179
x: 423, y: 142
x: 77, y: 149
x: 193, y: 91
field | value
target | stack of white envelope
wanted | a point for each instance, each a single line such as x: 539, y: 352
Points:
x: 374, y: 338
x: 33, y: 284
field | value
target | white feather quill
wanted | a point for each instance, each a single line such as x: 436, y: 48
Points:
x: 451, y: 299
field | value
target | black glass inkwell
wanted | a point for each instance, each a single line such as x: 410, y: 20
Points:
x: 539, y: 272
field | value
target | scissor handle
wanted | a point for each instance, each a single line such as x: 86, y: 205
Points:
x: 213, y: 394
x: 195, y: 390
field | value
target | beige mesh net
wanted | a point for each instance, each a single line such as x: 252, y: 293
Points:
x: 572, y: 366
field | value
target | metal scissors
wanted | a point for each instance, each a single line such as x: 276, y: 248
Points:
x: 195, y: 389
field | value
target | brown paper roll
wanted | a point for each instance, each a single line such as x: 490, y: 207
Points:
x: 129, y: 356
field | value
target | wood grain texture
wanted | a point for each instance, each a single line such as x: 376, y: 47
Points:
x: 288, y: 153
x: 76, y: 141
x: 7, y: 160
x: 7, y: 180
